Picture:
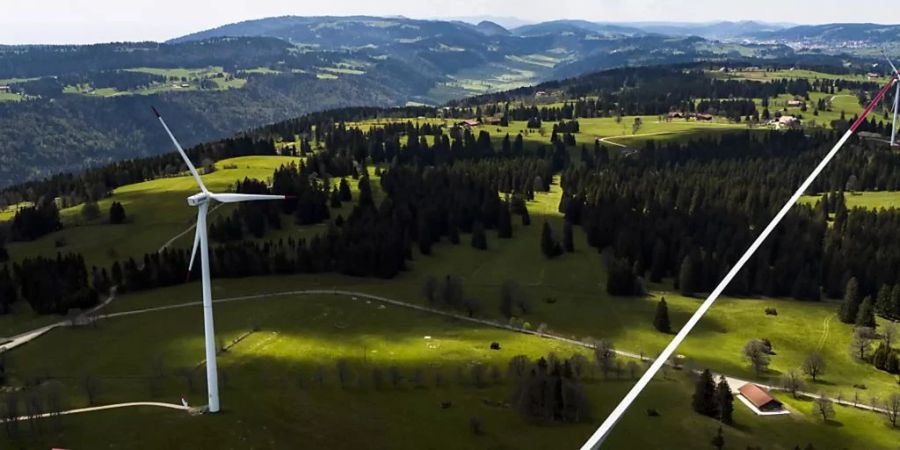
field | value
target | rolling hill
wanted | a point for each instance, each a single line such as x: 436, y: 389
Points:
x: 63, y: 108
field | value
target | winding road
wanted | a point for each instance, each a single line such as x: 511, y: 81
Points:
x: 732, y: 381
x: 24, y: 338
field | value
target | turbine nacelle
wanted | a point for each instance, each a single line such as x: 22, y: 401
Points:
x: 198, y: 199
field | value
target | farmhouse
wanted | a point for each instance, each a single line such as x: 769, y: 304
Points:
x: 540, y: 94
x: 492, y: 120
x: 788, y: 122
x: 676, y: 115
x: 469, y: 123
x: 704, y: 117
x: 759, y: 398
x: 873, y: 75
x: 4, y: 89
x: 796, y: 103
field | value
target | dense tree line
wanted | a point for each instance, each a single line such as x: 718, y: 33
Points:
x: 713, y: 399
x: 54, y: 285
x: 644, y: 91
x: 550, y: 391
x: 658, y: 214
x: 32, y: 222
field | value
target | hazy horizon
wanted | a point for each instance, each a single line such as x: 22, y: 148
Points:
x: 95, y: 21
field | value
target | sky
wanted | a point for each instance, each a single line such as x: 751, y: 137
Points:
x: 92, y: 21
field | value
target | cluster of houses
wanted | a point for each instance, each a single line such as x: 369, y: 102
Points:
x: 471, y: 123
x: 688, y: 116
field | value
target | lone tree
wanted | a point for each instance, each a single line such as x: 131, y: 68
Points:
x: 757, y: 353
x: 791, y: 382
x: 549, y: 246
x: 430, y: 289
x: 605, y: 355
x: 661, y: 321
x: 861, y: 342
x: 116, y: 213
x: 893, y: 409
x: 704, y: 399
x: 479, y: 239
x: 824, y: 407
x: 724, y: 401
x: 814, y: 365
x: 90, y: 210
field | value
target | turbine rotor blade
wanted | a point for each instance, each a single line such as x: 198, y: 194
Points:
x: 181, y: 151
x: 194, y: 250
x: 235, y: 198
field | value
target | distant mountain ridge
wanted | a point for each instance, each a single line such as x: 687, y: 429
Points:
x: 835, y: 33
x: 65, y: 107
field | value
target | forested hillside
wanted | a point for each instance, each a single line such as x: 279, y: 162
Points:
x: 63, y: 108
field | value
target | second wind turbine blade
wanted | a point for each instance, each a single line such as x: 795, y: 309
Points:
x: 194, y: 250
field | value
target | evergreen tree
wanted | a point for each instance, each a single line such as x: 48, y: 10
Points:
x: 661, y: 321
x: 704, y: 399
x: 865, y: 317
x: 621, y: 279
x: 686, y: 277
x: 424, y: 237
x: 850, y: 306
x: 365, y: 193
x: 90, y: 210
x: 568, y: 237
x: 344, y: 189
x: 8, y: 292
x: 549, y: 246
x: 526, y: 218
x: 504, y: 222
x: 116, y: 213
x: 658, y: 262
x: 335, y: 201
x: 479, y: 239
x: 724, y: 401
x: 718, y: 441
x: 883, y: 305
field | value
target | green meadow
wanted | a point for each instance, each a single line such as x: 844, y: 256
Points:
x: 269, y: 377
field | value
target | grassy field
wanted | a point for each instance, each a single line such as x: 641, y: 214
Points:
x: 157, y: 211
x: 10, y: 97
x: 761, y: 75
x: 269, y: 385
x: 176, y: 78
x: 298, y: 334
x: 870, y: 200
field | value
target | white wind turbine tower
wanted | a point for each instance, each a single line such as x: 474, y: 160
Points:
x: 896, y: 105
x: 201, y: 201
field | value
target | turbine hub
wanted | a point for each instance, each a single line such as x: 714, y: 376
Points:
x: 198, y: 199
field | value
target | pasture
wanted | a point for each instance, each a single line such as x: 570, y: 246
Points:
x: 270, y: 375
x: 271, y: 382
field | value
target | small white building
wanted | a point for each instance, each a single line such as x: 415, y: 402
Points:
x: 5, y: 89
x: 787, y: 122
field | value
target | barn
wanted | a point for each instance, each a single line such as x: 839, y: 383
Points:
x: 760, y: 398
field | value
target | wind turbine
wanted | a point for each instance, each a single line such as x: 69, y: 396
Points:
x: 201, y: 201
x: 896, y: 103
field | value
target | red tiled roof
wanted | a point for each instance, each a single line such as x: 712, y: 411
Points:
x: 757, y: 395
